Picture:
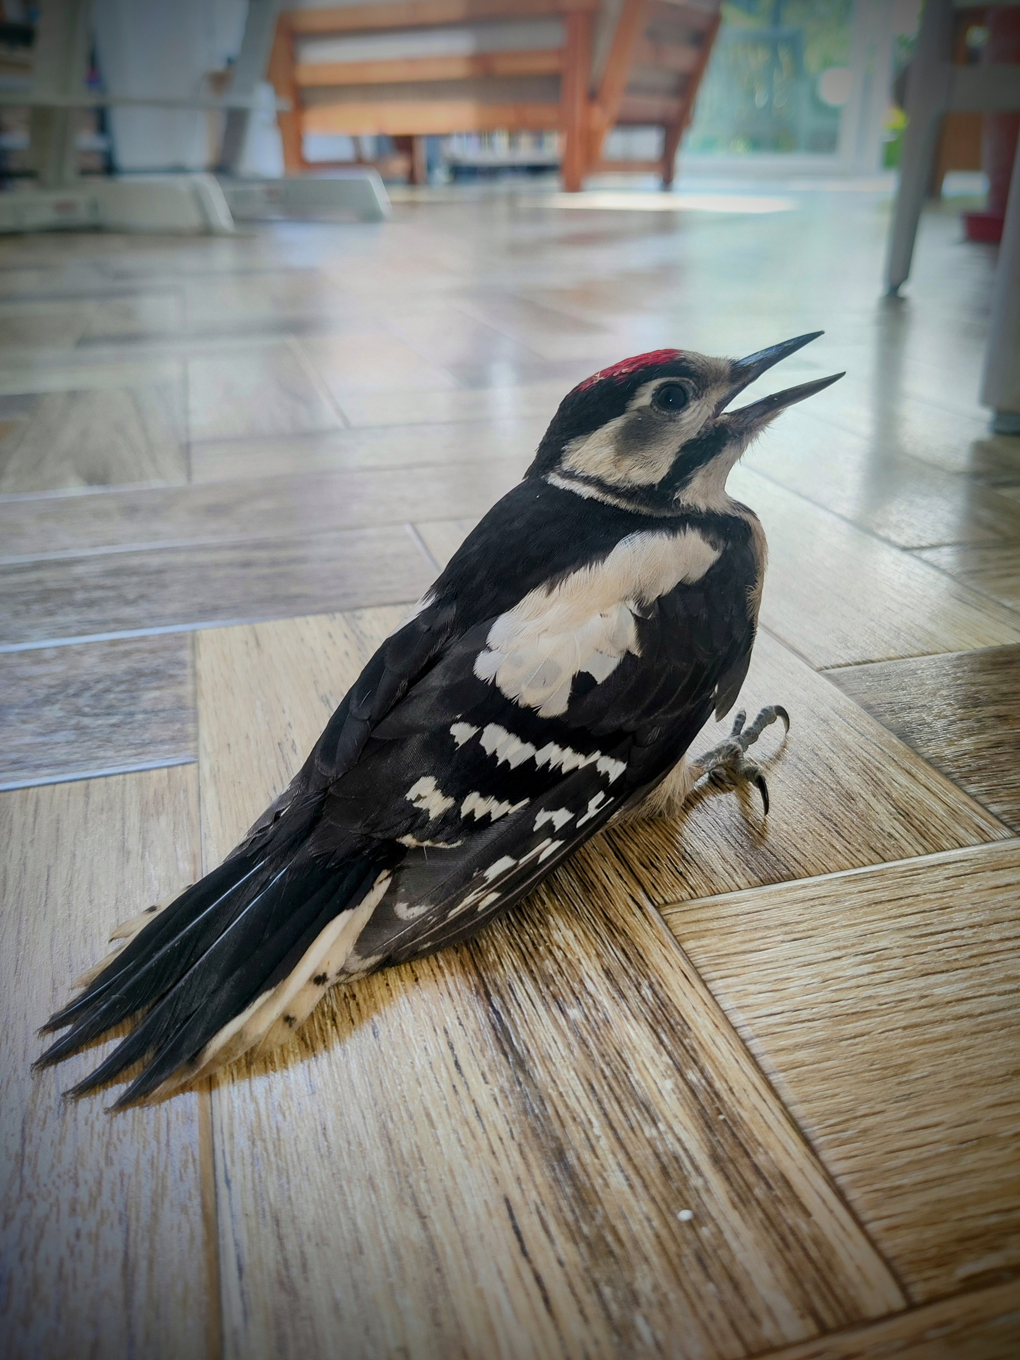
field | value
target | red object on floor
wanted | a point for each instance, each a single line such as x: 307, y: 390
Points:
x: 984, y: 226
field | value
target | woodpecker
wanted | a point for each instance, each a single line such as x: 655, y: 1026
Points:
x: 552, y: 679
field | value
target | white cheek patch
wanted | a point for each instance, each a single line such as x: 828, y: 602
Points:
x: 639, y: 447
x: 588, y: 621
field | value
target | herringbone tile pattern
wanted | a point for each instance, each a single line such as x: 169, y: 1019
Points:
x: 722, y: 1088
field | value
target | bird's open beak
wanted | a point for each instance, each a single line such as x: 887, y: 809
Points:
x: 745, y: 371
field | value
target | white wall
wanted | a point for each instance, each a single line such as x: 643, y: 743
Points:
x: 155, y: 47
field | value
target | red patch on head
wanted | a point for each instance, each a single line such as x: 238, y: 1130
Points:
x: 653, y: 359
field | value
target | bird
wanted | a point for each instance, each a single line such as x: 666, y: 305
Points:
x: 550, y: 681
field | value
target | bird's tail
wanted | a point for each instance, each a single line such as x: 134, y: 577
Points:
x: 237, y: 960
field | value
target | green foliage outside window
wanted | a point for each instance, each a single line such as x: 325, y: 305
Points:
x: 761, y: 89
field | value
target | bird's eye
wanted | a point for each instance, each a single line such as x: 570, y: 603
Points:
x: 672, y: 396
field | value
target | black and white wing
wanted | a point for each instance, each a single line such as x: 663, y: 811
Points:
x: 536, y: 726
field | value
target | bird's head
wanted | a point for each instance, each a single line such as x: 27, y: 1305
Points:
x: 655, y: 432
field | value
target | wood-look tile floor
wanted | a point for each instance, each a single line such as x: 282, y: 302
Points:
x: 722, y: 1088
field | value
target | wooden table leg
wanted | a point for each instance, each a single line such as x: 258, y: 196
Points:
x: 574, y: 98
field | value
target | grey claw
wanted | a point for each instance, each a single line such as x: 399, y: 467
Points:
x: 727, y: 764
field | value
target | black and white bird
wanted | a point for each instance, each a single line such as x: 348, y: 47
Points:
x: 551, y: 679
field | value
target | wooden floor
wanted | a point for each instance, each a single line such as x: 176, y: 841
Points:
x: 720, y: 1089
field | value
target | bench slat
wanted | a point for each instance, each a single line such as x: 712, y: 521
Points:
x: 537, y: 62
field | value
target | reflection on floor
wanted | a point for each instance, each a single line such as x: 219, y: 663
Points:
x: 719, y: 1089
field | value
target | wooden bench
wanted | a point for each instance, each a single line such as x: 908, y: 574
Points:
x: 653, y: 66
x: 655, y: 54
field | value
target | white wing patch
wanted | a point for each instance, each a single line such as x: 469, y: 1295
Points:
x: 506, y: 746
x: 426, y: 794
x: 608, y: 766
x: 588, y: 621
x: 478, y: 806
x: 499, y: 867
x: 593, y: 806
x: 406, y: 911
x: 558, y: 816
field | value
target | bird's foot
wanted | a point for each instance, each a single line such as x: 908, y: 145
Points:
x: 728, y: 763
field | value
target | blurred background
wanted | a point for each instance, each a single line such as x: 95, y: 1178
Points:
x: 805, y: 78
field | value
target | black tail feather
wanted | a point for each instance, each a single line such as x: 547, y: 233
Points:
x: 161, y: 956
x: 235, y: 962
x: 206, y: 958
x: 187, y: 1040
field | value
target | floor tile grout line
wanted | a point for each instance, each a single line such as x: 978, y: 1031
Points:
x: 300, y: 435
x: 216, y: 1324
x: 9, y: 648
x: 186, y: 385
x: 422, y: 351
x: 861, y: 1327
x: 178, y: 544
x: 75, y: 494
x: 1012, y: 838
x: 971, y: 585
x: 777, y: 637
x: 318, y: 381
x: 419, y: 542
x: 65, y: 554
x: 832, y: 423
x: 76, y: 776
x: 980, y: 800
x: 661, y: 926
x: 829, y: 667
x: 201, y: 625
x: 862, y: 528
x: 924, y: 656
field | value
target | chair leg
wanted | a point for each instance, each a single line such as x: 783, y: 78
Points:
x: 1000, y: 388
x: 670, y: 146
x: 419, y: 161
x: 925, y: 107
x: 281, y: 75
